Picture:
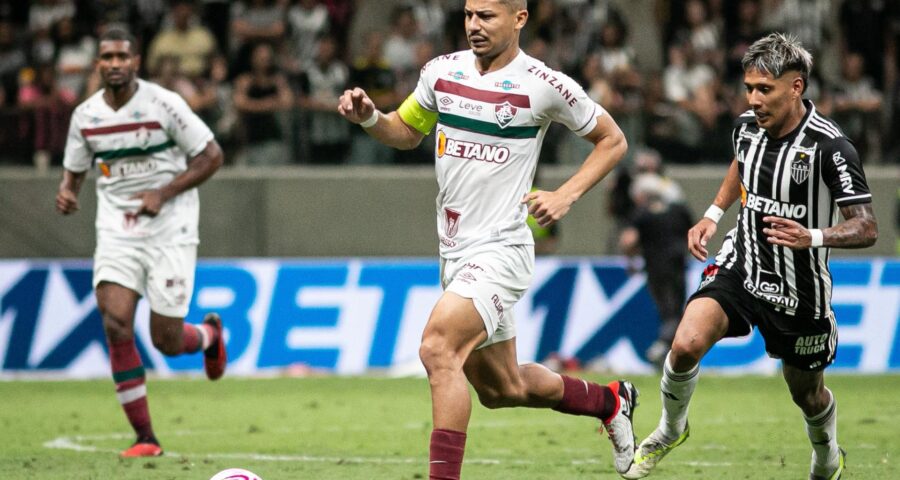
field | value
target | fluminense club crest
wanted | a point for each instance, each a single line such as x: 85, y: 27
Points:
x: 505, y: 113
x: 452, y: 221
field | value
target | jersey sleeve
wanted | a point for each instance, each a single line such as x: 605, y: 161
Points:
x: 424, y: 93
x: 570, y: 105
x: 184, y: 126
x: 78, y: 156
x: 843, y: 173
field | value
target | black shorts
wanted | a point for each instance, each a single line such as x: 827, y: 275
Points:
x: 806, y: 343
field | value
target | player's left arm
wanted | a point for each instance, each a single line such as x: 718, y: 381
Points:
x: 842, y: 172
x: 609, y: 147
x: 196, y: 140
x: 200, y: 167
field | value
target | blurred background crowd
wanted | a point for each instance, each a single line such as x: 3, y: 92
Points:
x: 266, y: 74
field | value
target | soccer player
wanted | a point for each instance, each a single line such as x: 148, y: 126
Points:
x: 794, y: 171
x: 492, y: 105
x: 138, y: 135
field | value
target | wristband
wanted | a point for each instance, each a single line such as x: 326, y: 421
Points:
x: 714, y: 213
x: 371, y: 121
x: 818, y: 238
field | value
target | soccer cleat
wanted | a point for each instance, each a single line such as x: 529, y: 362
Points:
x: 142, y: 448
x: 619, y: 428
x: 214, y: 357
x: 842, y: 461
x: 651, y: 451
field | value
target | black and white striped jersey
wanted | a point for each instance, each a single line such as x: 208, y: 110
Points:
x: 806, y: 176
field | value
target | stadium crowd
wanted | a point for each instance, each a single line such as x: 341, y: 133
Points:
x: 266, y: 74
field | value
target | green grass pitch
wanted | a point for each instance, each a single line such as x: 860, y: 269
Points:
x: 373, y: 428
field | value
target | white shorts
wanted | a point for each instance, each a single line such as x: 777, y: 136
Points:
x: 495, y: 279
x: 164, y: 275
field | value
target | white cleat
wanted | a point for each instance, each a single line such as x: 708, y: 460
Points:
x: 619, y: 426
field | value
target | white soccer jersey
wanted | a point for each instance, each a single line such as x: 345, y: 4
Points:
x: 489, y: 134
x: 140, y: 146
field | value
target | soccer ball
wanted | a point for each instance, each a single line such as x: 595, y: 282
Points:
x: 235, y: 474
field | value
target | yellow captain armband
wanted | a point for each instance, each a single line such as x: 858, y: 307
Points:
x: 417, y: 116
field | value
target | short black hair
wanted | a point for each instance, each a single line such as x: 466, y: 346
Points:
x: 119, y: 34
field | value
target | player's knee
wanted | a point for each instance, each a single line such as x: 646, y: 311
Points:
x: 168, y: 342
x: 116, y: 327
x: 435, y: 355
x: 684, y: 355
x: 807, y: 399
x: 505, y: 396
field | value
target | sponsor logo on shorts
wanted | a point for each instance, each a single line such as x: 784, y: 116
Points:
x: 498, y: 305
x: 709, y: 274
x: 774, y: 296
x: 811, y: 344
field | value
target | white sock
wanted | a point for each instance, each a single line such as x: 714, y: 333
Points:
x: 205, y: 337
x: 822, y: 432
x: 676, y: 389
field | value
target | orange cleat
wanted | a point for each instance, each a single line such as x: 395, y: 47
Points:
x: 142, y: 449
x: 214, y: 357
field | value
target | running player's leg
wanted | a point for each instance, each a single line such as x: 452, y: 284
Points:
x: 501, y: 382
x: 117, y: 305
x: 704, y: 323
x: 453, y: 331
x: 170, y: 284
x: 820, y: 413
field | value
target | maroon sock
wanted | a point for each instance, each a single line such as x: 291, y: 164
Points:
x: 192, y: 341
x: 581, y: 397
x: 128, y: 373
x: 446, y: 455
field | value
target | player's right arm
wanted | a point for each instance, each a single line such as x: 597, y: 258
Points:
x: 77, y: 160
x: 390, y: 129
x: 699, y: 235
x: 67, y: 196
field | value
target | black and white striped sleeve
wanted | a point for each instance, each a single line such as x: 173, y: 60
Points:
x: 843, y: 173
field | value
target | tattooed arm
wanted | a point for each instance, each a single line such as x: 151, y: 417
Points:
x: 858, y: 230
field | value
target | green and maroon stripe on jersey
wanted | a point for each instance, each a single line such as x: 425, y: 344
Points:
x: 498, y: 98
x: 123, y: 127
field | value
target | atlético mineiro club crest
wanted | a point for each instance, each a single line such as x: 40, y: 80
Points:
x: 505, y: 113
x: 800, y: 168
x: 452, y: 222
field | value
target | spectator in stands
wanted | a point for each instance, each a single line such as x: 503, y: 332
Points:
x: 254, y: 21
x: 372, y: 73
x: 658, y: 232
x: 260, y: 96
x: 186, y: 39
x: 50, y: 107
x: 400, y: 47
x: 168, y: 75
x: 320, y: 87
x: 75, y: 53
x: 871, y: 17
x: 857, y: 104
x: 308, y: 20
x: 43, y: 14
x: 615, y: 54
x: 702, y: 34
x: 745, y: 30
x: 431, y: 19
x: 12, y: 60
x: 809, y: 20
x: 687, y: 85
